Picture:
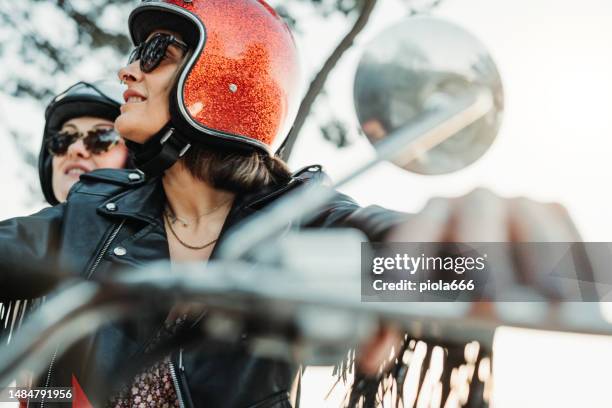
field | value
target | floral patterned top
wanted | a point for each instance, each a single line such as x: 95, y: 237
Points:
x: 152, y: 388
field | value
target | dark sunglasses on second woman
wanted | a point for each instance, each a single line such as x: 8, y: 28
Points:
x: 151, y: 52
x: 96, y: 141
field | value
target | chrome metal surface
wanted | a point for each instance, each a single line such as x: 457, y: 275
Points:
x: 421, y: 66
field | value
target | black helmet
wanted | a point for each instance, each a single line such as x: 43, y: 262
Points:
x: 100, y: 99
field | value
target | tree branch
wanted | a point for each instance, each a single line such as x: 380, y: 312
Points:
x: 319, y: 81
x: 99, y: 37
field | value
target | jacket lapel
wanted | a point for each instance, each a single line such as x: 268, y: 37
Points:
x: 146, y: 203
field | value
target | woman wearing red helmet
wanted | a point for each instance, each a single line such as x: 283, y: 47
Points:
x: 212, y: 89
x: 209, y: 98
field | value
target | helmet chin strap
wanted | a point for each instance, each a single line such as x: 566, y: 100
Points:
x: 160, y: 152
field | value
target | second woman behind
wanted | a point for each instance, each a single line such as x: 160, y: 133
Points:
x: 79, y: 137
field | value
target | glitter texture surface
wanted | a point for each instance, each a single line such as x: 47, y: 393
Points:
x: 246, y: 81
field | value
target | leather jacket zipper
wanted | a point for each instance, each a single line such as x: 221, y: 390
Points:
x: 107, y: 244
x: 93, y: 268
x: 42, y: 404
x: 175, y: 379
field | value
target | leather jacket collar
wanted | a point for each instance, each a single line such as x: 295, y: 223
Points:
x: 148, y: 202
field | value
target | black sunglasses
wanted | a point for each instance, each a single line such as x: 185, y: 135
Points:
x: 96, y: 141
x: 152, y: 52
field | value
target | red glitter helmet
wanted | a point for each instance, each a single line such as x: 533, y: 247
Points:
x: 239, y: 87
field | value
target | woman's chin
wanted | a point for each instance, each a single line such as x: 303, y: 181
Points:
x: 63, y: 187
x: 129, y: 130
x: 121, y: 126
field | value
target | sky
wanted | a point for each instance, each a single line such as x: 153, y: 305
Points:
x: 554, y: 145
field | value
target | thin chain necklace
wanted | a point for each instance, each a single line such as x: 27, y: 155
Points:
x: 171, y: 216
x: 183, y: 243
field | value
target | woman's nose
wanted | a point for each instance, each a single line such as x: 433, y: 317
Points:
x: 77, y: 150
x: 130, y: 72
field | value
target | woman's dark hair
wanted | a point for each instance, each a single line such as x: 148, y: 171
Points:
x: 236, y: 171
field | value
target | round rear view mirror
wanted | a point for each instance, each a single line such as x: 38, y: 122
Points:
x: 423, y: 66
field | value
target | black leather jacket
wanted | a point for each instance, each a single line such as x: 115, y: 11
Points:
x: 113, y: 219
